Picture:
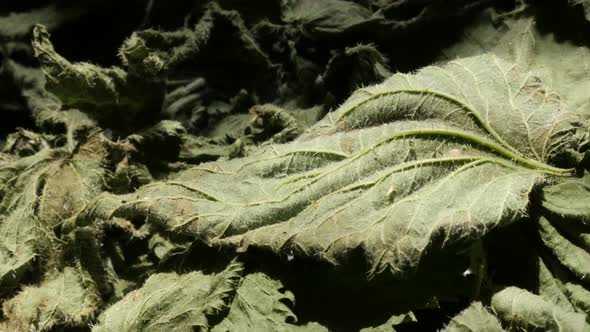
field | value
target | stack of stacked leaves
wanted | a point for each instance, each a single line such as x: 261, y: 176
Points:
x: 295, y: 165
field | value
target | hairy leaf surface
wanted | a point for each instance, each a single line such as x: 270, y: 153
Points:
x: 562, y: 63
x: 399, y: 168
x: 519, y: 309
x: 63, y: 299
x: 37, y: 194
x: 172, y: 302
x: 476, y: 318
x: 569, y: 197
x: 260, y: 305
x: 112, y: 96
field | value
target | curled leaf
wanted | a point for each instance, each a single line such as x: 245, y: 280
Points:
x: 110, y: 95
x: 576, y: 259
x: 475, y: 318
x: 519, y: 309
x: 24, y: 143
x: 169, y: 301
x: 62, y: 299
x: 260, y: 305
x: 199, y: 51
x: 569, y: 197
x: 399, y: 169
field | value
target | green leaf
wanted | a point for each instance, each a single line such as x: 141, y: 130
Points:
x: 23, y: 238
x: 260, y: 305
x: 24, y: 143
x: 569, y: 197
x: 476, y: 318
x: 325, y: 17
x: 196, y: 51
x: 551, y: 284
x: 172, y: 302
x: 400, y: 168
x: 37, y: 194
x: 62, y: 299
x: 570, y: 255
x: 158, y: 143
x: 519, y: 309
x: 352, y: 68
x: 46, y: 109
x: 373, y: 19
x: 110, y: 95
x: 535, y: 45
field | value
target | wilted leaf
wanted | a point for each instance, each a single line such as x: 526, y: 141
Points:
x: 37, y: 194
x: 476, y: 318
x: 573, y: 257
x: 46, y: 109
x: 551, y: 287
x: 202, y: 51
x: 401, y: 167
x: 272, y: 124
x: 261, y: 305
x: 110, y: 95
x: 24, y: 143
x: 419, y: 195
x: 353, y: 68
x: 23, y: 237
x: 172, y: 302
x: 569, y: 197
x: 159, y: 143
x: 237, y: 133
x: 561, y: 287
x: 561, y: 63
x: 326, y: 17
x: 340, y: 19
x: 62, y: 299
x: 519, y: 309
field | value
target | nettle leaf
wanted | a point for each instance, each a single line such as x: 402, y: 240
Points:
x: 561, y: 287
x: 569, y: 197
x: 561, y: 63
x: 351, y: 68
x: 46, y: 109
x: 63, y: 299
x: 326, y: 17
x: 260, y: 305
x: 335, y: 19
x: 23, y: 238
x: 196, y: 51
x: 521, y: 310
x: 564, y: 232
x: 551, y: 284
x: 572, y: 256
x: 562, y: 225
x: 401, y: 168
x: 24, y: 143
x: 112, y: 96
x: 172, y: 302
x: 475, y: 318
x: 37, y: 194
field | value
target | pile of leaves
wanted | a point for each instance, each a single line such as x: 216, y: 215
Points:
x: 295, y: 165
